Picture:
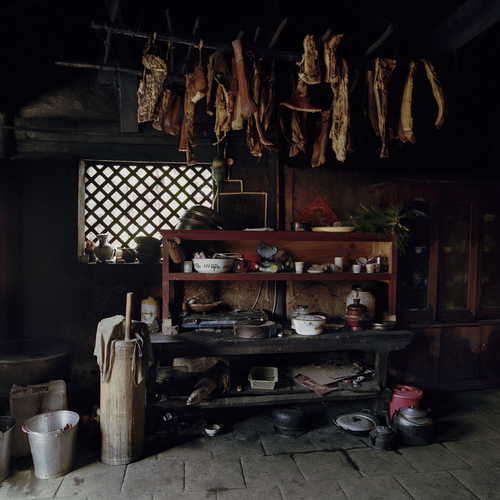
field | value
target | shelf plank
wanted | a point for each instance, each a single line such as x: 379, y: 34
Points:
x: 263, y: 276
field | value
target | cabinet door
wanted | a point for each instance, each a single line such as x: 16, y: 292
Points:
x: 490, y: 351
x: 419, y: 361
x: 489, y: 257
x: 460, y: 353
x: 458, y: 254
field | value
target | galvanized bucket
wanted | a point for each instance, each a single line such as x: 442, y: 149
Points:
x: 52, y: 438
x: 7, y: 425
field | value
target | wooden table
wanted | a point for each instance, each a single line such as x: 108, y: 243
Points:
x: 198, y: 344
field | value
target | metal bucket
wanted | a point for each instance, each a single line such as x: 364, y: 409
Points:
x: 52, y: 447
x: 7, y: 425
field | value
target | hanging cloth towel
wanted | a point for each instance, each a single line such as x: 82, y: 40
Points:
x: 111, y: 330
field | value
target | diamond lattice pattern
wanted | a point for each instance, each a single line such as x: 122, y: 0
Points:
x: 128, y: 200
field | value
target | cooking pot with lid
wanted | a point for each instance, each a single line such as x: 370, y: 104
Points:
x: 356, y: 423
x: 414, y: 425
x: 383, y: 438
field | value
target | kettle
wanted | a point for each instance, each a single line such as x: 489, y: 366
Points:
x: 383, y: 438
x: 414, y: 425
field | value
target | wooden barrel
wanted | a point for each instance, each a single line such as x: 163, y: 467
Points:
x: 122, y: 409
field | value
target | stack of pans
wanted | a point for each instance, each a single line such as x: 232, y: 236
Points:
x: 199, y: 217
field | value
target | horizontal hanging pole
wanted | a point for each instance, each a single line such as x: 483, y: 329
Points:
x: 207, y: 44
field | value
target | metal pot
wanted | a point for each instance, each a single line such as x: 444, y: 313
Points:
x: 356, y: 423
x: 383, y: 438
x: 414, y: 425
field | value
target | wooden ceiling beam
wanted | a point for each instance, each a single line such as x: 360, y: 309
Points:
x: 466, y: 23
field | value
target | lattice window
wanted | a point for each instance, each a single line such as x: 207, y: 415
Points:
x: 128, y: 200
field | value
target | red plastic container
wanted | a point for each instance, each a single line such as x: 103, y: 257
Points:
x: 404, y: 396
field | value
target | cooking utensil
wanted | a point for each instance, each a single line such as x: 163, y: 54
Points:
x: 356, y: 423
x: 309, y: 324
x: 414, y: 425
x: 383, y: 438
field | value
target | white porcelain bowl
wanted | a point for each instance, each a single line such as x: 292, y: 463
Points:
x: 213, y: 266
x: 309, y: 324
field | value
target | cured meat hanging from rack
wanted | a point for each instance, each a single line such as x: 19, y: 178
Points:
x: 161, y: 109
x: 200, y: 82
x: 437, y: 90
x: 267, y: 107
x: 372, y: 104
x: 332, y: 68
x: 299, y: 134
x: 322, y: 128
x: 340, y: 131
x: 172, y: 116
x: 237, y: 119
x: 151, y: 85
x: 309, y: 69
x: 248, y: 106
x: 383, y: 73
x: 406, y: 120
x: 224, y: 102
x: 188, y: 141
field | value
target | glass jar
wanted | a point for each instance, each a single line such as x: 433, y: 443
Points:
x: 300, y: 310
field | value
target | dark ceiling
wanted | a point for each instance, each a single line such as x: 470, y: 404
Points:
x: 38, y: 35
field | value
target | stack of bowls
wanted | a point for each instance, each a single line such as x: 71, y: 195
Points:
x: 199, y: 217
x: 148, y: 249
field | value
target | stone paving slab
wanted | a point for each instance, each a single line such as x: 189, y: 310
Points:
x: 490, y: 419
x: 476, y: 453
x: 315, y: 467
x: 93, y: 478
x: 271, y: 493
x: 237, y: 444
x: 186, y: 495
x: 268, y: 471
x: 331, y: 437
x: 195, y: 448
x: 435, y: 486
x: 213, y: 475
x: 274, y: 444
x: 154, y: 473
x: 24, y: 484
x: 484, y: 483
x: 325, y: 490
x: 99, y: 496
x: 371, y: 462
x: 432, y: 457
x: 374, y: 488
x: 471, y: 428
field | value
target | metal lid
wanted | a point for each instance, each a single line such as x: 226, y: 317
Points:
x: 415, y: 415
x: 406, y: 391
x: 358, y: 422
x: 361, y: 288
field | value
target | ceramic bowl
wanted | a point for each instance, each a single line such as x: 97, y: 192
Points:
x: 309, y: 324
x: 213, y: 266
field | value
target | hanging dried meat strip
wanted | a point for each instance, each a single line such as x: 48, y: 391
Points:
x: 406, y: 121
x: 437, y: 90
x: 188, y: 141
x: 383, y: 73
x: 150, y: 87
x: 330, y: 49
x: 309, y: 69
x: 319, y: 149
x: 340, y: 131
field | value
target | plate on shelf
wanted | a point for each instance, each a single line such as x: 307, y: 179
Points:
x: 316, y: 271
x: 333, y: 229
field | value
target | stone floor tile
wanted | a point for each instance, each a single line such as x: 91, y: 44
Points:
x: 157, y: 473
x: 261, y: 420
x: 472, y: 428
x: 371, y: 462
x: 237, y: 444
x: 490, y: 419
x: 184, y: 495
x: 92, y: 478
x: 484, y: 483
x: 268, y: 471
x: 433, y: 457
x: 324, y: 490
x: 331, y: 437
x: 495, y: 441
x: 102, y: 496
x: 213, y: 475
x: 317, y: 466
x: 24, y: 484
x: 199, y: 447
x: 476, y: 453
x: 271, y: 493
x: 435, y: 486
x: 274, y: 444
x: 374, y: 488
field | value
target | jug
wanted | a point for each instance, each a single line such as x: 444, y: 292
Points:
x: 414, y: 425
x: 104, y: 251
x: 383, y: 438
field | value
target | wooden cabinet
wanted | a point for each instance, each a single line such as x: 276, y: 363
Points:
x: 447, y: 287
x: 302, y: 246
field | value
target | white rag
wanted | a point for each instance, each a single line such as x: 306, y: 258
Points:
x: 109, y: 330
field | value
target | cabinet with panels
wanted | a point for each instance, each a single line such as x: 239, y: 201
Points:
x: 302, y: 246
x: 447, y: 287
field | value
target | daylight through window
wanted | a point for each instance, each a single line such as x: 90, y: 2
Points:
x: 127, y: 200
